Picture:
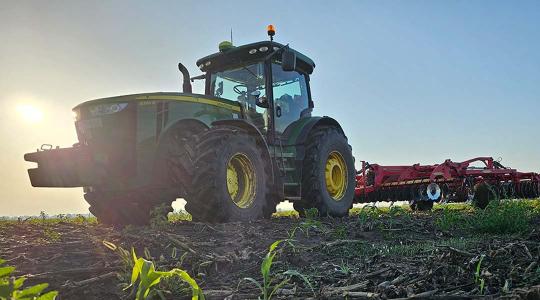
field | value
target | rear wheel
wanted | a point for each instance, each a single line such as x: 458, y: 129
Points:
x: 328, y: 175
x: 232, y: 178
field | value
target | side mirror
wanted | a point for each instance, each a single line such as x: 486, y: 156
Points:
x: 288, y: 60
x: 262, y: 102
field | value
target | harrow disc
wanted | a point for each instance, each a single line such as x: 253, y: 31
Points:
x: 422, y: 193
x: 507, y: 190
x: 527, y: 189
x: 433, y: 192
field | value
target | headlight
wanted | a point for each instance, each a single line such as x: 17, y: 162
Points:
x: 106, y: 109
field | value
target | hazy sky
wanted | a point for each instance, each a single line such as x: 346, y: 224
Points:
x: 410, y: 81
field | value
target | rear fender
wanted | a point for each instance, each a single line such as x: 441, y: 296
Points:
x: 298, y: 132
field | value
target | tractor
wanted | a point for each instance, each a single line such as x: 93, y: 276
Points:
x: 233, y: 153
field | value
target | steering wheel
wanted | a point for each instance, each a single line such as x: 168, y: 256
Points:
x: 237, y: 90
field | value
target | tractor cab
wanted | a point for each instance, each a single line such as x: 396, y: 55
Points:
x: 264, y: 77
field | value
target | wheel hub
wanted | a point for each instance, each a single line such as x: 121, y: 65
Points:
x: 336, y: 175
x: 241, y: 180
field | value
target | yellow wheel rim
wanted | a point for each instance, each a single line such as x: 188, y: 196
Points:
x: 241, y: 180
x: 335, y: 174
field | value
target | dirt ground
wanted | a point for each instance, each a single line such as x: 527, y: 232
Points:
x: 383, y: 257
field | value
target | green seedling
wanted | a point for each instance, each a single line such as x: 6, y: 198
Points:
x: 11, y: 288
x: 477, y: 275
x: 145, y: 279
x: 270, y: 284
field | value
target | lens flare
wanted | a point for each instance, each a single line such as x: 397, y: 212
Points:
x: 30, y: 113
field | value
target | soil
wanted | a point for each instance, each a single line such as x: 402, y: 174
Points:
x: 382, y: 258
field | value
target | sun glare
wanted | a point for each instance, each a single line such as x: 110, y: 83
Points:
x: 30, y: 113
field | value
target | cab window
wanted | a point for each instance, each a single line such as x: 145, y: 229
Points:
x: 290, y: 96
x: 244, y: 84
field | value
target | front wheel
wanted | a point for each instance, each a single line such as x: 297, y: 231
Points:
x: 129, y: 207
x: 328, y: 175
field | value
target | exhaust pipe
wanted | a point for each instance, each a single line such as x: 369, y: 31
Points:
x: 186, y: 84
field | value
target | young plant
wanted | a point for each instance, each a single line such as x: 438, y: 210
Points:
x: 124, y: 255
x: 340, y: 232
x: 269, y: 284
x: 478, y: 275
x: 145, y: 278
x: 311, y: 221
x: 11, y: 287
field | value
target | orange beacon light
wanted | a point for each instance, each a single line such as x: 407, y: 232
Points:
x: 271, y: 30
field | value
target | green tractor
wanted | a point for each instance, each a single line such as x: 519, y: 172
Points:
x: 233, y: 153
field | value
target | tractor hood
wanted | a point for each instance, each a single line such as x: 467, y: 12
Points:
x: 97, y: 106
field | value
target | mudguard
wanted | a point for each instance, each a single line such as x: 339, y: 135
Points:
x: 298, y: 132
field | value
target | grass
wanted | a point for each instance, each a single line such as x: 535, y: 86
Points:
x: 286, y: 214
x: 397, y: 248
x: 50, y: 220
x: 500, y: 217
x: 179, y: 216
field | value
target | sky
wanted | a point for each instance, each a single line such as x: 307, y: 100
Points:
x: 409, y: 81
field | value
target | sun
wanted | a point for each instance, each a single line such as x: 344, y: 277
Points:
x: 30, y: 113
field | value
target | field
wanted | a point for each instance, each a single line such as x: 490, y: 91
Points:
x: 453, y: 252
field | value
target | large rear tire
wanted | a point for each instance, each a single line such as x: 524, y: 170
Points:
x: 232, y: 178
x: 328, y: 175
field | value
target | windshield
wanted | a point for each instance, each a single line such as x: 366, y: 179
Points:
x: 239, y: 84
x: 244, y: 84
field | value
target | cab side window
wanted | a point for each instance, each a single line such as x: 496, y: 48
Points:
x: 290, y: 96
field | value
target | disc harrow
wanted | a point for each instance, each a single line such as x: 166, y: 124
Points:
x: 446, y: 182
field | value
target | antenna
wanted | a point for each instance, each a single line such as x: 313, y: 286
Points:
x: 231, y: 36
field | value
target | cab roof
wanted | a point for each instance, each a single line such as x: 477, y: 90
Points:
x: 250, y: 53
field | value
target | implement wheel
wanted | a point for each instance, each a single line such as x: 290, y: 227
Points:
x: 232, y: 178
x: 483, y: 194
x: 328, y: 175
x: 421, y: 205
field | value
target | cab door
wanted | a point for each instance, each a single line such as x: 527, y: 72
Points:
x: 290, y: 96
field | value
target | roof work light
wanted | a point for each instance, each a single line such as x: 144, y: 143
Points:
x: 271, y: 31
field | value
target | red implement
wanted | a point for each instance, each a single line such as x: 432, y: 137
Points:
x: 449, y: 181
